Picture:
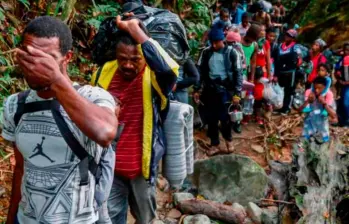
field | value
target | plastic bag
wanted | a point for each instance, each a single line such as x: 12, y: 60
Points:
x: 278, y: 99
x: 273, y: 93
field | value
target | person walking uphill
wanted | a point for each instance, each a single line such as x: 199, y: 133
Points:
x: 141, y: 77
x: 221, y: 77
x: 53, y: 182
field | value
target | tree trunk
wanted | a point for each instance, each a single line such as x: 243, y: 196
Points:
x: 68, y: 10
x: 213, y: 210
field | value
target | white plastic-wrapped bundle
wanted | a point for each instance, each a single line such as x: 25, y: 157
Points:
x: 273, y: 93
x: 179, y: 157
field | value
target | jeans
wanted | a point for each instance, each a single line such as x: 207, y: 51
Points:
x: 135, y: 192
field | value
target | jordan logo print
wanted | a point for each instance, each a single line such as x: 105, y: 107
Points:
x: 40, y: 151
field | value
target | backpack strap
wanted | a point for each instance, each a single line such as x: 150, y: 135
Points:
x: 23, y: 108
x: 87, y: 162
x: 98, y: 75
x: 22, y: 96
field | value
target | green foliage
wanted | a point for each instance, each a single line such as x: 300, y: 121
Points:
x: 26, y: 3
x: 58, y: 7
x: 2, y: 14
x: 106, y: 8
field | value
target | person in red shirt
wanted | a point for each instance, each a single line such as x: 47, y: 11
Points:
x: 141, y: 78
x: 263, y: 70
x: 263, y: 54
x: 316, y: 57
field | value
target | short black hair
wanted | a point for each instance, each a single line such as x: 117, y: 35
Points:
x: 245, y: 15
x: 50, y: 27
x: 223, y: 11
x: 253, y: 32
x: 271, y: 29
x: 320, y: 80
x: 325, y: 66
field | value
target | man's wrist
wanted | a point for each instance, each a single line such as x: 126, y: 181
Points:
x: 59, y: 83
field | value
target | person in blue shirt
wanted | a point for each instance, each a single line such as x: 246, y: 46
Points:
x: 236, y: 12
x: 224, y: 17
x: 221, y: 84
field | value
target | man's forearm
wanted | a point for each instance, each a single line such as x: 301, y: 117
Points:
x: 253, y: 70
x: 300, y: 109
x: 15, y: 195
x: 330, y: 111
x: 97, y: 123
x: 16, y: 187
x: 138, y: 34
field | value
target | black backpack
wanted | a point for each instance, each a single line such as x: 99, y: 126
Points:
x: 163, y: 26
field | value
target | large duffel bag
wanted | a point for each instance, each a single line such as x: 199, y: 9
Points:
x: 164, y: 26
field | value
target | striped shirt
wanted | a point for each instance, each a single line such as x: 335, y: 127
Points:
x: 129, y: 147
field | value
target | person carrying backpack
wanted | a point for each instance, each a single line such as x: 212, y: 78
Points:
x: 287, y: 60
x: 221, y: 78
x: 188, y: 76
x: 61, y: 134
x: 141, y: 76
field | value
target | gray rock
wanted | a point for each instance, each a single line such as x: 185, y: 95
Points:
x: 277, y: 179
x: 178, y: 197
x: 248, y: 221
x: 270, y: 215
x: 197, y: 219
x: 171, y: 221
x: 2, y: 191
x: 232, y: 178
x: 254, y: 212
x: 239, y: 208
x: 257, y: 148
x: 157, y: 222
x: 174, y: 214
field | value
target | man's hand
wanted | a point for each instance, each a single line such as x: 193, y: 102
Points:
x: 236, y: 100
x: 132, y: 27
x: 125, y: 25
x: 275, y: 79
x: 38, y: 66
x: 196, y: 97
x: 322, y: 100
x: 174, y: 88
x: 311, y: 98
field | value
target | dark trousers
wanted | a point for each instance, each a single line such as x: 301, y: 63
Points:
x: 287, y: 80
x: 216, y: 106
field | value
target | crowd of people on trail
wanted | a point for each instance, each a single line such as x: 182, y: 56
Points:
x: 84, y: 154
x: 254, y: 65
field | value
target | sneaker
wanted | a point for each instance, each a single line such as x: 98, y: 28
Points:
x: 237, y: 128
